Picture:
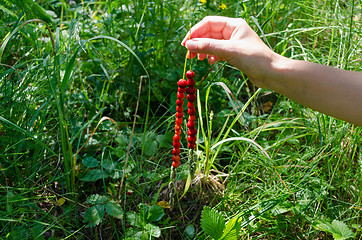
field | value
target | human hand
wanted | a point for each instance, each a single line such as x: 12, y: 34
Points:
x: 232, y: 40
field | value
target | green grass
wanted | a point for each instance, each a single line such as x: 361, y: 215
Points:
x: 288, y: 172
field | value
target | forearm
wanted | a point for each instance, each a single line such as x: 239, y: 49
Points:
x: 332, y: 91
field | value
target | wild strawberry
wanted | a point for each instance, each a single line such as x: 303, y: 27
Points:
x: 179, y: 102
x: 192, y: 132
x: 178, y: 121
x: 179, y: 109
x: 191, y: 97
x: 190, y: 74
x: 192, y: 145
x: 175, y: 164
x: 191, y: 124
x: 182, y: 83
x: 176, y: 144
x: 191, y: 111
x: 176, y: 158
x: 190, y: 105
x: 180, y: 95
x: 176, y: 151
x: 191, y: 139
x: 176, y: 137
x: 191, y: 90
x: 179, y: 114
x: 190, y: 83
x: 181, y: 90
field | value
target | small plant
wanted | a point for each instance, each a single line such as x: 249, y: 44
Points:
x: 142, y: 222
x: 99, y: 206
x: 214, y: 225
x: 338, y: 229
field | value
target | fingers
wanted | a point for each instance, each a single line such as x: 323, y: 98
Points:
x: 215, y: 27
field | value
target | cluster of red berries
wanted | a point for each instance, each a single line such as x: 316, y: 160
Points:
x: 188, y: 87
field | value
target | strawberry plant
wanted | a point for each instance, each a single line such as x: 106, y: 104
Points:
x: 142, y: 223
x: 101, y: 205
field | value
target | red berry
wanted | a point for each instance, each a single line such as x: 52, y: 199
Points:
x: 179, y: 109
x: 176, y: 151
x: 175, y: 164
x: 176, y: 144
x: 191, y: 111
x: 181, y: 90
x: 179, y: 114
x: 176, y: 158
x: 190, y: 83
x: 190, y: 105
x: 176, y: 137
x: 192, y: 132
x: 182, y: 83
x: 177, y: 128
x: 192, y: 145
x: 191, y: 139
x: 191, y: 97
x: 192, y: 118
x: 178, y: 121
x: 180, y: 95
x: 178, y: 132
x: 179, y: 102
x: 191, y: 124
x: 190, y: 74
x: 191, y: 90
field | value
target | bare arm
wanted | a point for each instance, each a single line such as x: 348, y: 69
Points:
x: 326, y: 89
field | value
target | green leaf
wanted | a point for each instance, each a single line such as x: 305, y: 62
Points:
x: 134, y: 219
x: 232, y: 229
x: 153, y: 230
x: 155, y: 213
x: 212, y: 222
x: 94, y: 215
x: 109, y: 165
x: 97, y: 199
x: 338, y: 229
x: 94, y: 175
x: 113, y: 209
x: 90, y: 162
x: 190, y: 231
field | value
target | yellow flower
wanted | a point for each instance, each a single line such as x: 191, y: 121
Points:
x: 203, y: 1
x: 222, y: 6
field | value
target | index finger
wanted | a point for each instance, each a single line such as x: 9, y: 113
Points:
x: 216, y: 27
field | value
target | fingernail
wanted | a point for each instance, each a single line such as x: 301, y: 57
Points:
x: 191, y: 45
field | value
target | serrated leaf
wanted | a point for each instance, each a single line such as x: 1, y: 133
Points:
x: 212, y: 222
x: 338, y: 229
x: 113, y: 209
x: 134, y: 219
x: 97, y: 199
x: 94, y: 175
x: 341, y: 230
x: 153, y: 230
x: 155, y: 213
x: 90, y: 162
x: 232, y: 229
x: 94, y: 215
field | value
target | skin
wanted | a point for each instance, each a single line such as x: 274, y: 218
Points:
x: 329, y: 90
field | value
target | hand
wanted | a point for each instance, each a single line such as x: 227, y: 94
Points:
x: 232, y: 40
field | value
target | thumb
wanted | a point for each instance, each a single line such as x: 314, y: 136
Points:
x: 208, y: 46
